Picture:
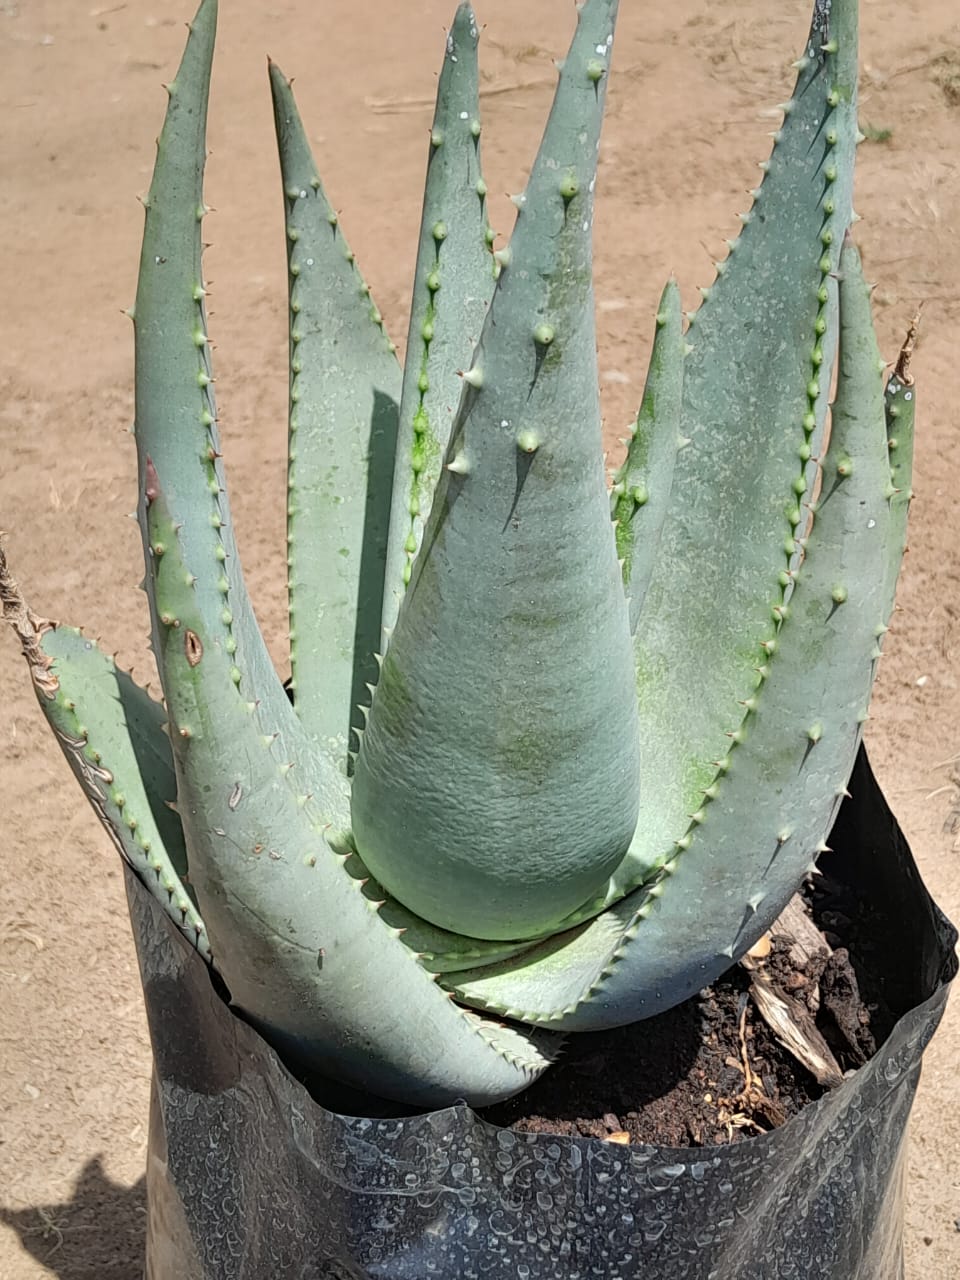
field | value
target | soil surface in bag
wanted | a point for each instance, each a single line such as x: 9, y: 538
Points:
x: 711, y: 1070
x: 249, y: 1176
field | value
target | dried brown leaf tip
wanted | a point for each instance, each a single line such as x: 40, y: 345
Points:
x: 29, y: 627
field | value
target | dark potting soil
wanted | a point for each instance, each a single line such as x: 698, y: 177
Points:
x: 710, y: 1071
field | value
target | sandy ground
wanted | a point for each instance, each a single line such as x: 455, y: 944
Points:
x: 691, y: 101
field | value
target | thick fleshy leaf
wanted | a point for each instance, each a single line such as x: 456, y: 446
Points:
x: 760, y: 827
x: 344, y: 395
x: 451, y: 292
x: 300, y: 945
x: 175, y: 412
x: 495, y: 787
x: 755, y: 388
x: 113, y: 735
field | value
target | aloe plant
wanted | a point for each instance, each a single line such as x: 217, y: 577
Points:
x: 555, y: 757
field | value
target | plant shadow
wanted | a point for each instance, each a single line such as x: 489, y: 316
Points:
x: 98, y: 1234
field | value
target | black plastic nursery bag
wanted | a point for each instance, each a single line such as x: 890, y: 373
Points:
x: 249, y: 1177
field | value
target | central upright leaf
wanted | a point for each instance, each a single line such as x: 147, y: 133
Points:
x: 495, y: 789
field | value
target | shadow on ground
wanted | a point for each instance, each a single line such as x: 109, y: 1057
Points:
x: 96, y: 1235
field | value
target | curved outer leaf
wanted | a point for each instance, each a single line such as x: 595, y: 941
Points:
x: 641, y: 487
x: 299, y: 943
x: 113, y: 735
x: 754, y: 396
x: 452, y: 288
x: 175, y: 411
x: 495, y: 787
x: 344, y: 394
x: 755, y: 836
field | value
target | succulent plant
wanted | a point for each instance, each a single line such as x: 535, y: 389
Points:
x: 554, y: 757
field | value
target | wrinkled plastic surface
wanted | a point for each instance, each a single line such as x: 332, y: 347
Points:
x: 249, y: 1177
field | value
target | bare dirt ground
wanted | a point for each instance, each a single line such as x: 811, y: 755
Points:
x: 691, y: 100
